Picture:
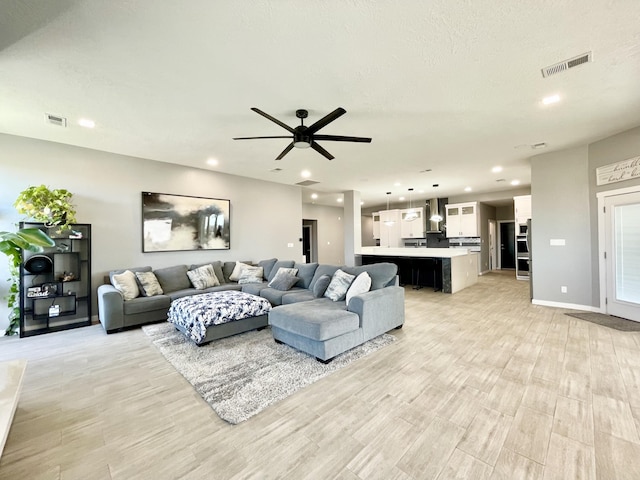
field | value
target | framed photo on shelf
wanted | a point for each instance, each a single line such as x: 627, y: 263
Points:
x: 178, y: 223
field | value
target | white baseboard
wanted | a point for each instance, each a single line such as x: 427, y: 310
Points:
x: 568, y: 306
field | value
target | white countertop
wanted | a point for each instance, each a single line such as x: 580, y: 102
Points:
x: 414, y: 252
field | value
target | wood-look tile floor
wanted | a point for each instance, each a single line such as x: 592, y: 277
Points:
x: 479, y: 385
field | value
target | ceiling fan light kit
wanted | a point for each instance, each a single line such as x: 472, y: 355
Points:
x: 304, y: 136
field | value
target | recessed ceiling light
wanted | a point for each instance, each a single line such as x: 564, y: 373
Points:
x: 496, y: 169
x: 212, y: 161
x: 305, y: 174
x: 339, y: 200
x: 361, y: 203
x: 314, y: 196
x: 85, y: 122
x: 515, y: 182
x: 397, y: 184
x: 551, y: 99
x: 420, y: 191
x: 401, y: 199
x: 467, y: 189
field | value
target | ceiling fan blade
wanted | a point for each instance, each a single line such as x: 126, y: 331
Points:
x: 285, y: 151
x: 321, y: 150
x: 274, y: 120
x: 340, y: 138
x: 253, y: 138
x: 326, y: 120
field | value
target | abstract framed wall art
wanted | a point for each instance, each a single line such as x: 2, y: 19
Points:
x: 178, y: 222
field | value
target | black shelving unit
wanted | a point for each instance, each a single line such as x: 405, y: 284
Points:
x: 55, y: 285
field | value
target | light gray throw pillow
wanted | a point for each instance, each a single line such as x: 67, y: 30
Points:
x: 251, y: 275
x: 203, y: 277
x: 148, y: 284
x: 339, y: 285
x: 283, y: 282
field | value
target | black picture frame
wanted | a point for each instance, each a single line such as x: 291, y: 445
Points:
x: 173, y: 223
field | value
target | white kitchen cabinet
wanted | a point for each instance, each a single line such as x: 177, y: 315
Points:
x: 412, y: 228
x: 522, y: 208
x: 376, y: 225
x: 390, y: 228
x: 463, y: 220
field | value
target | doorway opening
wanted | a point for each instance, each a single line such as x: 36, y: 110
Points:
x: 493, y: 251
x: 310, y: 240
x: 507, y: 242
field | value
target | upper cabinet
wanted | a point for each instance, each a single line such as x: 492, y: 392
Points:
x: 412, y: 223
x: 462, y: 220
x: 522, y: 208
x: 390, y: 228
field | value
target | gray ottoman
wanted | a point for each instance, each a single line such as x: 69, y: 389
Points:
x: 322, y: 328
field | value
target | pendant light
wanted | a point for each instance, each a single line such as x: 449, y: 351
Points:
x: 388, y: 222
x: 411, y: 215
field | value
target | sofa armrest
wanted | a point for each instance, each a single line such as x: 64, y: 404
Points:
x: 379, y: 310
x: 110, y: 308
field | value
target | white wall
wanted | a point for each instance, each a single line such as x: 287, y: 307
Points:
x: 265, y: 216
x: 330, y: 231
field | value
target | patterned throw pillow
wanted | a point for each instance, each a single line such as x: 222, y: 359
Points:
x: 284, y: 272
x: 339, y: 285
x: 251, y: 275
x: 148, y: 284
x: 203, y: 277
x: 361, y: 284
x: 237, y: 271
x: 126, y: 284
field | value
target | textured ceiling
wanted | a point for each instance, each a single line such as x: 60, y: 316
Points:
x: 448, y: 86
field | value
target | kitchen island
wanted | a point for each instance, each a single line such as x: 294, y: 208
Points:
x: 444, y: 269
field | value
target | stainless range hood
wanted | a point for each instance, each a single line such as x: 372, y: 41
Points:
x: 435, y: 206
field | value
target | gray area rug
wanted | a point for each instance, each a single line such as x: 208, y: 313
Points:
x: 610, y: 321
x: 240, y: 376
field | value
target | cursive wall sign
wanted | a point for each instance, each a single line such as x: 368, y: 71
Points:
x: 617, y: 172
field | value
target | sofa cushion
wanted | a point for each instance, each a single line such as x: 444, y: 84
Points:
x: 322, y: 270
x: 339, y: 285
x: 173, y: 278
x: 146, y: 304
x: 275, y: 296
x: 254, y: 288
x: 318, y: 319
x: 382, y: 274
x: 217, y: 269
x: 305, y: 273
x: 227, y: 270
x: 296, y: 296
x: 320, y: 286
x: 126, y: 284
x: 148, y: 284
x: 203, y: 277
x: 280, y: 264
x: 267, y: 265
x: 251, y: 275
x: 361, y: 284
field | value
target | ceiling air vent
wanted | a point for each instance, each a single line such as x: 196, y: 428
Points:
x: 307, y: 183
x: 56, y: 120
x: 276, y: 170
x: 566, y: 64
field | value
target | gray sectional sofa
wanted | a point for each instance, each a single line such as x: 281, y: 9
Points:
x: 301, y: 316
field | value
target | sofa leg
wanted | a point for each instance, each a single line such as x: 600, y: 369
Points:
x: 260, y: 328
x: 325, y: 361
x: 278, y: 341
x: 399, y: 327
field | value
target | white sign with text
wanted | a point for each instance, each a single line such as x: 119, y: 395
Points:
x: 617, y: 172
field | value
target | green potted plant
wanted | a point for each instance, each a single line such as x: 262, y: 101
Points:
x: 51, y: 207
x: 11, y: 244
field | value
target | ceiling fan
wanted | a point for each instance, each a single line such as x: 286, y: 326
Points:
x: 305, y: 136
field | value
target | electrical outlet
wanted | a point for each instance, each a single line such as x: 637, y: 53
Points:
x: 563, y: 289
